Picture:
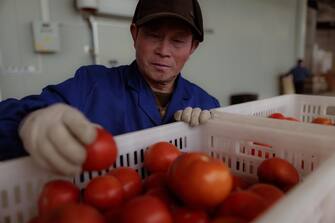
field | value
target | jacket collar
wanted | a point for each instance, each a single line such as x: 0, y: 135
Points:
x: 146, y: 98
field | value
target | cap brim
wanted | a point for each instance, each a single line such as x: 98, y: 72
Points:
x: 168, y: 14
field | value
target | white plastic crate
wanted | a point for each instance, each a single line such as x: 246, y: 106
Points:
x: 303, y: 107
x: 229, y: 140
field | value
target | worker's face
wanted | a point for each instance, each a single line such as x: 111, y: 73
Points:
x: 162, y: 48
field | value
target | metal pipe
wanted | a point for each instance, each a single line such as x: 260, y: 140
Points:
x: 45, y: 11
x: 301, y: 18
x: 95, y: 39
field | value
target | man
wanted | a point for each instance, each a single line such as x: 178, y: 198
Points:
x: 300, y: 73
x: 55, y: 126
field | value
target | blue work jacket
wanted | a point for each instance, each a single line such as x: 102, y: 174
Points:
x: 118, y: 98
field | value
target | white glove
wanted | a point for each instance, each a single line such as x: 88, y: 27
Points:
x: 192, y: 116
x: 56, y: 137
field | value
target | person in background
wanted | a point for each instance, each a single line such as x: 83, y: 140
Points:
x: 300, y: 74
x: 55, y: 126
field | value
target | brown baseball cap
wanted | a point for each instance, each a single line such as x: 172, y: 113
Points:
x: 187, y: 10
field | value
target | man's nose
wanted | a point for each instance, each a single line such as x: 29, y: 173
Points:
x: 164, y: 48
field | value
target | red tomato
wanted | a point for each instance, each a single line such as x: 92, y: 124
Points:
x: 262, y: 144
x: 102, y: 153
x: 277, y: 116
x: 113, y: 215
x: 278, y: 172
x: 199, y: 180
x: 55, y: 194
x: 322, y: 121
x: 155, y: 180
x: 36, y: 219
x: 228, y: 219
x: 130, y: 180
x: 292, y: 119
x: 270, y: 193
x: 164, y: 195
x: 159, y: 156
x: 75, y: 213
x: 185, y: 215
x: 145, y: 209
x: 239, y: 183
x: 104, y: 192
x: 244, y: 204
x: 174, y: 173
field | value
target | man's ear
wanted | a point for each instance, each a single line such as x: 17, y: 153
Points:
x: 134, y: 31
x: 195, y: 44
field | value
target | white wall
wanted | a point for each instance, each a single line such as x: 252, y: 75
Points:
x: 251, y: 43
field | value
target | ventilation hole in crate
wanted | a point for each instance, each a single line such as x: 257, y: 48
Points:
x: 212, y: 154
x: 135, y: 158
x: 267, y: 155
x: 114, y: 165
x: 4, y: 199
x: 260, y: 154
x: 242, y: 149
x: 7, y: 219
x: 90, y: 176
x: 19, y: 217
x: 181, y: 143
x: 99, y: 173
x: 142, y: 172
x: 128, y: 159
x: 229, y: 162
x: 237, y: 165
x: 142, y: 155
x: 185, y: 142
x: 121, y: 160
x: 81, y: 178
x: 17, y: 194
x: 176, y: 142
x: 224, y: 159
x: 314, y: 109
x: 302, y: 164
x: 251, y: 169
x: 312, y: 166
x: 170, y: 141
x: 212, y: 141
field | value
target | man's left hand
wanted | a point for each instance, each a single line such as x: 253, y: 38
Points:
x: 192, y: 116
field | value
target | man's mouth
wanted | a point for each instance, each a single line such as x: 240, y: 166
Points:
x: 160, y: 66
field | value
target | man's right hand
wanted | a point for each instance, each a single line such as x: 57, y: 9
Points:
x: 56, y: 137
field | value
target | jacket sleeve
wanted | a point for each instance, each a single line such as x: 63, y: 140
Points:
x: 12, y: 111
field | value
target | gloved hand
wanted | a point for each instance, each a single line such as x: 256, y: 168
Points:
x: 192, y: 116
x: 56, y: 137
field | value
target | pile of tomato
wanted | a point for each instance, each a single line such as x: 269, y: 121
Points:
x: 316, y: 120
x: 181, y: 187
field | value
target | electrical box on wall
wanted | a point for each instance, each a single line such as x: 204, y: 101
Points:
x: 46, y: 37
x: 124, y: 8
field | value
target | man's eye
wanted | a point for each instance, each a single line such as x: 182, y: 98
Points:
x: 154, y: 35
x: 178, y: 41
